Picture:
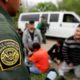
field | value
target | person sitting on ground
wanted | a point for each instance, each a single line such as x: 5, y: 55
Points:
x: 40, y: 59
x: 56, y: 55
x: 56, y: 52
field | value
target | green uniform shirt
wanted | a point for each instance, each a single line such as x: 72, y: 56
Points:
x: 11, y: 51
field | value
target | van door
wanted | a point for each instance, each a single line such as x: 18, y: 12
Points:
x: 68, y: 25
x: 53, y: 25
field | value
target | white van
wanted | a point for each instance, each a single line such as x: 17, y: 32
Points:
x: 61, y: 24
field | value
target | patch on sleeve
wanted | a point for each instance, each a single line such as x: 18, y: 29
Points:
x: 10, y: 55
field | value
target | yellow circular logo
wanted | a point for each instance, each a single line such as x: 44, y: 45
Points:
x: 9, y: 56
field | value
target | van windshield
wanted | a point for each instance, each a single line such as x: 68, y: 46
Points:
x: 34, y: 17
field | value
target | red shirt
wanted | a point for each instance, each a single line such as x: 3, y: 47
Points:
x: 40, y: 60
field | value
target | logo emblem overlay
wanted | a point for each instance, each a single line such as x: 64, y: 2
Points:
x: 10, y: 55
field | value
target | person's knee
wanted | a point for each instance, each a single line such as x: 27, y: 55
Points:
x: 77, y: 74
x: 34, y: 70
x: 77, y: 71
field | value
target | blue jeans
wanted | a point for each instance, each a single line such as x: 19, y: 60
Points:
x: 35, y: 70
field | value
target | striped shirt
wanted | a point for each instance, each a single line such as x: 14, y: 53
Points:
x: 71, y: 51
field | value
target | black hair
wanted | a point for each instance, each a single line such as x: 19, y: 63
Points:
x: 31, y: 22
x: 60, y: 41
x: 18, y: 29
x: 36, y: 46
x: 78, y: 26
x: 42, y: 16
x: 4, y: 1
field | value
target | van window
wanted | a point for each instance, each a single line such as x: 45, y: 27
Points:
x: 54, y: 17
x: 34, y: 17
x: 69, y: 18
x: 46, y: 16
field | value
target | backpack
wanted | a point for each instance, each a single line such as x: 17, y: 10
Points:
x: 39, y: 26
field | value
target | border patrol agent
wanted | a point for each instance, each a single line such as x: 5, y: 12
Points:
x: 11, y: 48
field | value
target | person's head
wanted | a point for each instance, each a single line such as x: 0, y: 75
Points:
x: 11, y: 6
x: 36, y: 46
x: 43, y: 17
x: 59, y: 43
x: 26, y: 26
x: 77, y: 33
x: 31, y: 25
x: 18, y: 30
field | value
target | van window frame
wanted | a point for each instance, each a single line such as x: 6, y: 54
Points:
x: 55, y: 19
x: 75, y: 20
x: 29, y: 17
